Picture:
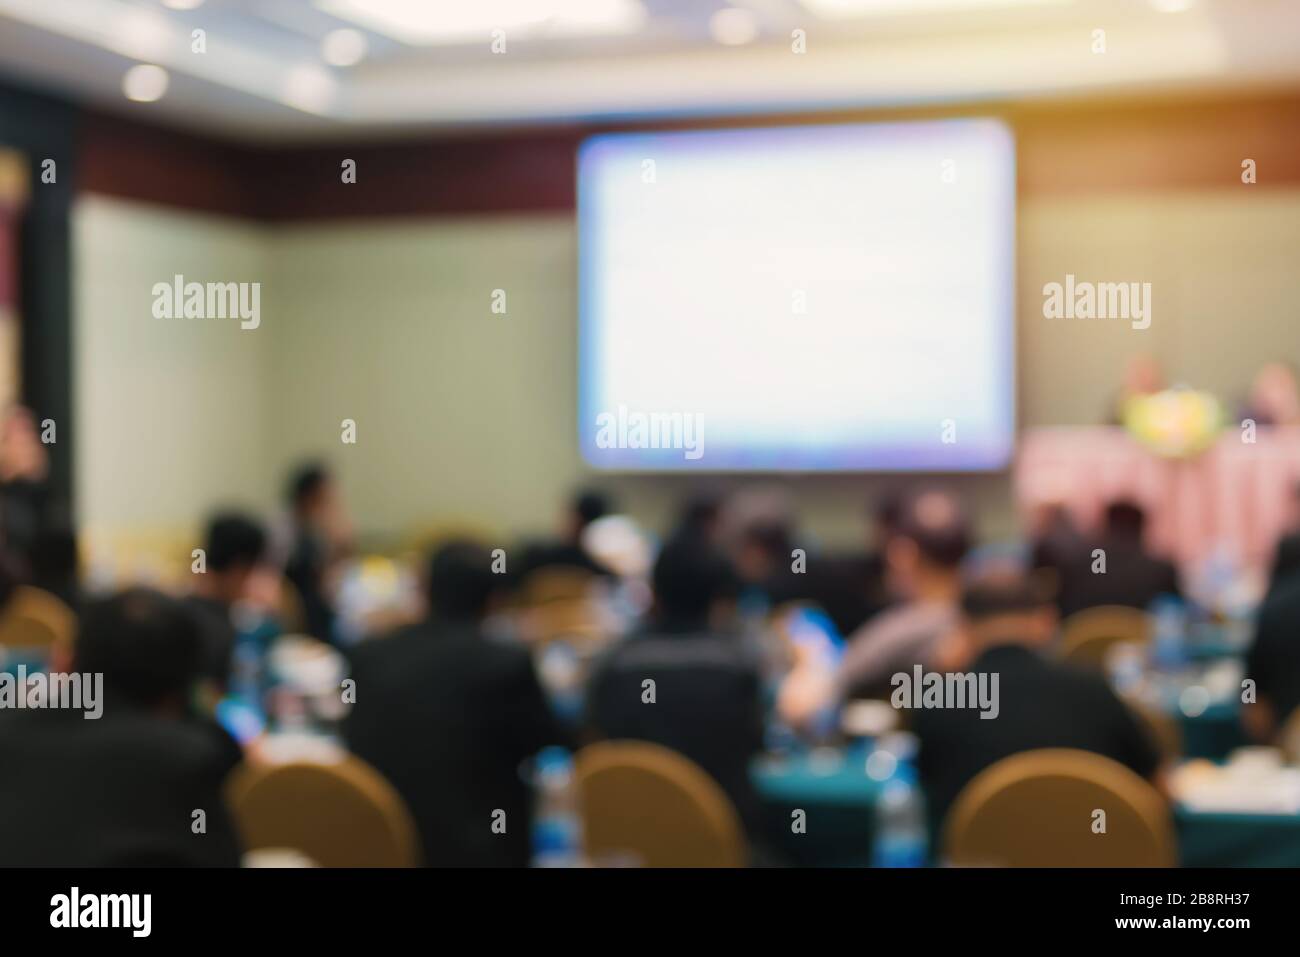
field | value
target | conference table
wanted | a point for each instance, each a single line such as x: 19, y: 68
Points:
x: 838, y: 797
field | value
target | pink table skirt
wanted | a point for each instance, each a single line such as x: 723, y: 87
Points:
x: 1236, y: 494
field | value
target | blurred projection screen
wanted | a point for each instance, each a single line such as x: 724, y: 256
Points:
x: 814, y: 298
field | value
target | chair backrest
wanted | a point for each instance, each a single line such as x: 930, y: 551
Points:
x: 35, y: 619
x: 1059, y: 807
x: 1086, y: 636
x: 340, y: 814
x: 651, y: 803
x: 1288, y: 738
x: 557, y: 603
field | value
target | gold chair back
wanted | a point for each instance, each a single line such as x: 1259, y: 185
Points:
x: 1087, y: 636
x: 341, y: 814
x: 36, y: 620
x: 656, y: 807
x: 1059, y: 807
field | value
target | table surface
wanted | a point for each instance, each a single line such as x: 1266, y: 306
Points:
x: 840, y: 799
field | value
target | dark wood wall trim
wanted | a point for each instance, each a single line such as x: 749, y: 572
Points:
x: 1064, y: 146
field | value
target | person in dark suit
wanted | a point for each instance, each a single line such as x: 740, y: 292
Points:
x: 450, y: 717
x: 1273, y: 662
x: 123, y: 788
x: 567, y: 550
x: 707, y: 689
x: 320, y: 535
x: 1134, y: 577
x: 234, y: 546
x: 1007, y: 621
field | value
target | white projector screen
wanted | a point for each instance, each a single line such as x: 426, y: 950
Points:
x: 814, y: 298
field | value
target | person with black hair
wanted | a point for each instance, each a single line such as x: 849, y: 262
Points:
x: 128, y: 786
x: 234, y: 547
x: 707, y: 702
x: 1007, y: 621
x: 1133, y: 576
x: 923, y: 561
x: 567, y: 551
x: 320, y: 535
x: 448, y: 716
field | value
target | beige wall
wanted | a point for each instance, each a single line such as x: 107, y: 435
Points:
x: 172, y: 417
x: 465, y: 417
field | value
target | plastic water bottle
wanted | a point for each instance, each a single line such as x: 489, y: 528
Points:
x: 900, y: 839
x: 557, y: 829
x: 246, y: 672
x: 1170, y: 628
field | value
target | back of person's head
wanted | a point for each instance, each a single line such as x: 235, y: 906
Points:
x: 306, y: 484
x: 146, y: 645
x: 937, y: 526
x: 1125, y: 521
x: 588, y: 506
x: 886, y: 514
x: 690, y: 579
x: 461, y: 583
x: 234, y: 541
x: 1003, y: 600
x: 699, y: 517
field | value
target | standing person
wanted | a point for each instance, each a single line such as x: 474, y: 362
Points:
x: 321, y: 534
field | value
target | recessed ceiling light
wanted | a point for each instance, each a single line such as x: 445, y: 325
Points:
x: 858, y: 9
x: 733, y: 26
x: 182, y: 4
x: 309, y: 88
x: 1171, y: 6
x: 343, y: 47
x: 426, y: 24
x: 145, y: 83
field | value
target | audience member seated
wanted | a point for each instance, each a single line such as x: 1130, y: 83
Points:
x: 1133, y: 577
x: 449, y: 716
x: 121, y: 788
x: 567, y: 550
x: 320, y: 535
x: 1058, y: 544
x: 1273, y: 662
x: 234, y: 547
x: 923, y: 560
x: 705, y: 700
x: 1007, y: 622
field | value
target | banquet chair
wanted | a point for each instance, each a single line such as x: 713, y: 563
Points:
x: 338, y: 814
x: 1087, y: 636
x: 655, y: 807
x: 1040, y: 809
x: 34, y: 623
x: 557, y: 604
x: 1288, y: 738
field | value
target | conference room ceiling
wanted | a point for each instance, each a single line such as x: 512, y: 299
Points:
x: 264, y: 74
